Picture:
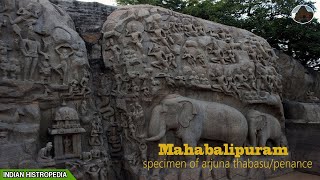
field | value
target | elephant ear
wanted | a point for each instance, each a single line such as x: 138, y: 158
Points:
x: 187, y: 113
x: 262, y: 122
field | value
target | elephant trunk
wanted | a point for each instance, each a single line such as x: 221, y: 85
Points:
x: 162, y: 132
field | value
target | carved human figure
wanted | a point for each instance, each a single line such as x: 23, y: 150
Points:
x: 135, y: 89
x: 44, y: 155
x: 104, y: 172
x: 251, y: 78
x: 160, y: 35
x: 200, y: 58
x: 254, y: 41
x: 204, y: 80
x: 67, y: 143
x: 153, y: 22
x: 143, y: 150
x: 4, y: 61
x: 214, y: 49
x: 137, y: 115
x: 199, y: 28
x: 74, y: 87
x: 96, y: 132
x: 83, y: 108
x: 311, y: 96
x: 220, y: 80
x: 171, y: 60
x: 130, y: 57
x: 241, y: 79
x: 261, y: 75
x: 189, y: 57
x: 93, y: 172
x: 173, y: 24
x: 213, y: 34
x: 45, y: 70
x: 124, y: 125
x: 78, y: 61
x: 132, y: 128
x: 161, y: 59
x: 252, y: 53
x: 180, y: 81
x: 190, y: 29
x: 145, y: 80
x: 105, y: 85
x: 64, y: 51
x: 120, y: 79
x: 194, y: 79
x: 84, y: 83
x: 30, y: 48
x: 29, y: 13
x: 110, y: 45
x: 230, y: 56
x: 271, y: 78
x: 222, y: 33
x: 132, y: 158
x: 232, y: 86
x: 15, y: 68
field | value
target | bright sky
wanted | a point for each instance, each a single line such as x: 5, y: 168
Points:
x: 113, y: 3
x: 107, y: 2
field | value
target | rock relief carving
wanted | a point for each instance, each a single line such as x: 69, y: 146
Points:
x: 103, y: 123
x: 161, y: 54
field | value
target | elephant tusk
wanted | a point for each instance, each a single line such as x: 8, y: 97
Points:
x: 159, y: 136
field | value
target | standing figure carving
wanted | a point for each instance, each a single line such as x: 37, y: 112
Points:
x: 64, y: 51
x: 31, y: 49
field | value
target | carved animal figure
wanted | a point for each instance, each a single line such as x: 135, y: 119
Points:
x: 194, y: 119
x: 263, y: 127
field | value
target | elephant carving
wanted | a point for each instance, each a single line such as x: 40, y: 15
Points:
x: 193, y: 119
x: 264, y: 127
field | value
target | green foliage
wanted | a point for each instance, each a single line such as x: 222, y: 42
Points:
x: 270, y: 19
x: 175, y: 5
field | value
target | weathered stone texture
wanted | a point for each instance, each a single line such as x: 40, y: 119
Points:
x: 301, y: 92
x: 41, y: 56
x: 181, y: 77
x: 101, y: 86
x: 298, y: 81
x: 88, y: 18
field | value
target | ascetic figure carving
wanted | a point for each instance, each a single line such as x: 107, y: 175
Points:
x: 44, y: 158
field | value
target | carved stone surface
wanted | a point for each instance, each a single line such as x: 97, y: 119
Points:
x: 88, y: 18
x: 294, y: 73
x: 164, y: 77
x: 43, y: 63
x: 190, y: 76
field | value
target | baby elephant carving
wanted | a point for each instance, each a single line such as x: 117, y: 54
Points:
x: 264, y: 127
